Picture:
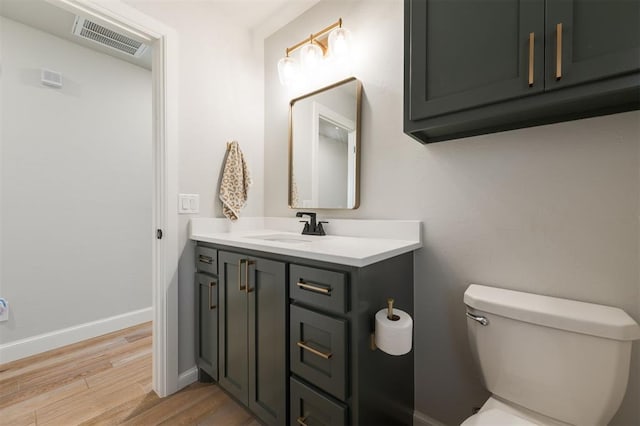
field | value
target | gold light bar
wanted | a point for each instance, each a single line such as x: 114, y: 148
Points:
x: 313, y: 38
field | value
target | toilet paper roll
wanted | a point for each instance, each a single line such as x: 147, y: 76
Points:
x: 394, y: 337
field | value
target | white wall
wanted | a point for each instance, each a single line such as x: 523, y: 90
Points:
x: 333, y: 179
x: 76, y: 185
x: 221, y: 99
x: 552, y: 209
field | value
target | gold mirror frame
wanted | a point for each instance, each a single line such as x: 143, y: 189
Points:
x: 358, y: 118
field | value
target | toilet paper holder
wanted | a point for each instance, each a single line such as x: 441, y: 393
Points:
x: 390, y: 315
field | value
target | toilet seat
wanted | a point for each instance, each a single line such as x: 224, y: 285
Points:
x: 496, y: 417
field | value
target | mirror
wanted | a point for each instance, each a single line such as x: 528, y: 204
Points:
x: 324, y: 147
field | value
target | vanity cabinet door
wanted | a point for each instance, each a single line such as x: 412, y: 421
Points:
x: 253, y: 313
x: 207, y: 324
x: 233, y: 374
x: 267, y: 344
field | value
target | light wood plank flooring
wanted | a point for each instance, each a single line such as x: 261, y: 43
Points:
x: 106, y: 381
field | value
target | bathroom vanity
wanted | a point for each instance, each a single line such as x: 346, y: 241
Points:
x: 294, y: 316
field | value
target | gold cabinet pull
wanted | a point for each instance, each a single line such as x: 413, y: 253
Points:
x: 205, y: 259
x: 240, y: 262
x: 301, y: 421
x: 314, y: 288
x: 531, y: 48
x: 211, y: 305
x: 246, y: 275
x: 304, y: 346
x: 559, y: 51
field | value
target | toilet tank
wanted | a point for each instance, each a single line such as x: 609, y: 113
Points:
x: 565, y: 359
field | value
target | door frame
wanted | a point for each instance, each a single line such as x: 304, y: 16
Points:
x: 164, y: 262
x: 320, y: 111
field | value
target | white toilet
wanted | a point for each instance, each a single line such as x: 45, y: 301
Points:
x: 547, y: 361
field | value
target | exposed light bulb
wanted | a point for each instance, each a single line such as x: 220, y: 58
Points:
x: 340, y: 42
x: 287, y: 71
x: 310, y: 56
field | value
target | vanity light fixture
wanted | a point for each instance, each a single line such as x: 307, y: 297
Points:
x: 333, y: 40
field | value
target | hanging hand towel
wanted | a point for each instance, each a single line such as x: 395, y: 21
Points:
x: 235, y: 182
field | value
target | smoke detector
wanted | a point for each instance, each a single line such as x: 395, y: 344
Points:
x: 89, y: 30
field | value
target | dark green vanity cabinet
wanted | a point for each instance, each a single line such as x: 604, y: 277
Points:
x: 253, y: 312
x: 295, y: 338
x: 474, y: 67
x: 206, y: 293
x: 336, y: 376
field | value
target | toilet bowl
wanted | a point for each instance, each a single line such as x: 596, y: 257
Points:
x: 546, y: 360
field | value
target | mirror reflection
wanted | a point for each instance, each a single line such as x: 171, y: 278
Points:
x: 324, y: 147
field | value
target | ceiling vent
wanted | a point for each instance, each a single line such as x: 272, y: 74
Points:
x: 89, y: 30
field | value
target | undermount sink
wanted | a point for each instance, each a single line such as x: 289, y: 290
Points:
x: 282, y: 238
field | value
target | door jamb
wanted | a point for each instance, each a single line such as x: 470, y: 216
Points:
x: 165, y: 253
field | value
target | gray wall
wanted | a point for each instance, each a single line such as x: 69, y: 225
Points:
x: 302, y: 153
x: 76, y: 185
x: 220, y: 99
x: 552, y: 210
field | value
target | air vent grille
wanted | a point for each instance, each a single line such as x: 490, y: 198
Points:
x: 97, y: 33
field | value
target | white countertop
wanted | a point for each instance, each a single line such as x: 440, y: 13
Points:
x: 348, y: 242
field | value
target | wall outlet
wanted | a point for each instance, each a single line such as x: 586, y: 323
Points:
x: 4, y: 310
x: 188, y: 203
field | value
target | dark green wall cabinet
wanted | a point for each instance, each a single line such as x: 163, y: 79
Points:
x: 477, y: 66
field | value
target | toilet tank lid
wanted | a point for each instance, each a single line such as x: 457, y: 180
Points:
x: 564, y: 314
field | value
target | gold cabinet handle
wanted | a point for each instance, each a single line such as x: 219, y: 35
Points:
x: 531, y: 48
x: 246, y: 275
x: 205, y: 259
x: 304, y: 346
x: 314, y: 288
x: 559, y: 51
x: 240, y: 262
x: 211, y: 305
x: 301, y: 421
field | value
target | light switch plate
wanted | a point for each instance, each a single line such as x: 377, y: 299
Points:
x: 188, y: 203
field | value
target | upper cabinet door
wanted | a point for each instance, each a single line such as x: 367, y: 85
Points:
x: 465, y: 53
x: 589, y: 40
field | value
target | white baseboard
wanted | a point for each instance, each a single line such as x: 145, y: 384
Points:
x: 421, y: 419
x: 45, y: 342
x: 187, y: 377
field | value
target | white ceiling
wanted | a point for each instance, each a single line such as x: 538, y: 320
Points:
x: 261, y: 17
x: 247, y: 13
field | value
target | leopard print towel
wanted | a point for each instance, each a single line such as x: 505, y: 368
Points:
x: 235, y: 182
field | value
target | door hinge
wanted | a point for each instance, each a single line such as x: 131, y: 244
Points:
x: 159, y: 234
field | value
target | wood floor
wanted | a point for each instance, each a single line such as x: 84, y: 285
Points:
x: 106, y: 381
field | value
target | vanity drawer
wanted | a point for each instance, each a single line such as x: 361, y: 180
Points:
x: 311, y: 407
x: 318, y: 349
x: 319, y: 287
x: 207, y: 260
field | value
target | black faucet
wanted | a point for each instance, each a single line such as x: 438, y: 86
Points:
x: 311, y: 228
